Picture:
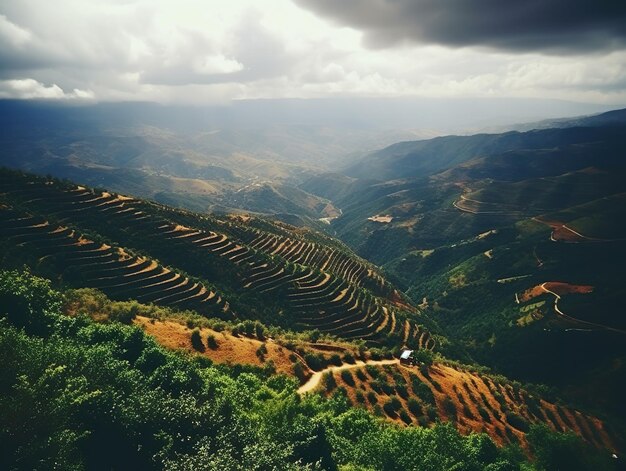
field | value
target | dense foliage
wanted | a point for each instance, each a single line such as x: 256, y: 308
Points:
x: 76, y: 394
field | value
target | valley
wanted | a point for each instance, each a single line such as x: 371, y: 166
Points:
x: 495, y: 258
x: 312, y: 235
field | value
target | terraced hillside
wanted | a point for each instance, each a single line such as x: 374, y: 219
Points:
x: 422, y: 395
x: 473, y: 402
x: 239, y: 266
x: 114, y: 271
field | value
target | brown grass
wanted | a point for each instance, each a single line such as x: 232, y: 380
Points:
x: 230, y: 350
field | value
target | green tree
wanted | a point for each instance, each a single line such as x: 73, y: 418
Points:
x: 196, y: 340
x: 28, y: 301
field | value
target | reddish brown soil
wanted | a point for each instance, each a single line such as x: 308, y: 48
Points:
x: 560, y: 232
x: 471, y: 394
x: 558, y: 287
x: 531, y: 293
x: 397, y: 300
x: 562, y: 288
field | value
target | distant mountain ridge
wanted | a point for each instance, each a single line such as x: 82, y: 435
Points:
x: 423, y: 158
x: 476, y: 228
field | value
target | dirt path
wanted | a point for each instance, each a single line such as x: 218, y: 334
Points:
x: 563, y: 233
x: 573, y: 319
x: 501, y: 212
x: 314, y: 380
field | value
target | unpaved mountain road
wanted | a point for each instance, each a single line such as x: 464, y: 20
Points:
x: 314, y: 380
x: 573, y: 319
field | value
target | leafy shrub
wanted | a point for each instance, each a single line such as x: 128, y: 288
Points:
x: 315, y: 335
x: 361, y: 374
x: 422, y: 390
x: 248, y: 327
x: 261, y: 352
x: 299, y: 372
x: 517, y: 421
x: 405, y: 417
x: 414, y: 407
x: 402, y: 391
x: 431, y: 412
x: 259, y: 331
x: 395, y: 402
x: 219, y: 326
x: 424, y: 357
x: 372, y: 398
x: 328, y: 380
x: 211, y: 342
x: 449, y: 408
x: 347, y: 378
x: 467, y: 412
x: 436, y: 385
x: 391, y: 406
x: 398, y: 377
x: 196, y: 340
x: 124, y: 312
x: 555, y: 450
x: 372, y: 371
x: 335, y: 359
x: 28, y: 301
x: 387, y: 388
x: 349, y: 358
x: 315, y: 361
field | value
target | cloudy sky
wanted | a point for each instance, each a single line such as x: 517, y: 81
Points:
x: 213, y: 51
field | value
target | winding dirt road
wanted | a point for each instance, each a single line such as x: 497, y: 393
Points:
x: 573, y: 319
x: 314, y: 380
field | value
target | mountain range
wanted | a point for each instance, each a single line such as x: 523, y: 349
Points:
x: 495, y: 257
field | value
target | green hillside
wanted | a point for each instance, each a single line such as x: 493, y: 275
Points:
x: 421, y: 158
x: 107, y: 396
x: 478, y: 221
x: 234, y: 267
x: 498, y: 258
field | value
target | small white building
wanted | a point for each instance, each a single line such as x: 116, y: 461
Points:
x: 406, y: 357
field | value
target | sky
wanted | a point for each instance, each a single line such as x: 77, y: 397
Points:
x: 215, y: 51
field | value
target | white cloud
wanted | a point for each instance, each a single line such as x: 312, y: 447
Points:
x: 82, y: 94
x: 203, y: 51
x: 29, y: 88
x: 32, y: 89
x: 217, y: 64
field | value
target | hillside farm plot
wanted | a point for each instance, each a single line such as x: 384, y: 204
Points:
x: 473, y: 402
x: 313, y: 280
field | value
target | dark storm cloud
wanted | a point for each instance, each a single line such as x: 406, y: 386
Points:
x: 558, y: 26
